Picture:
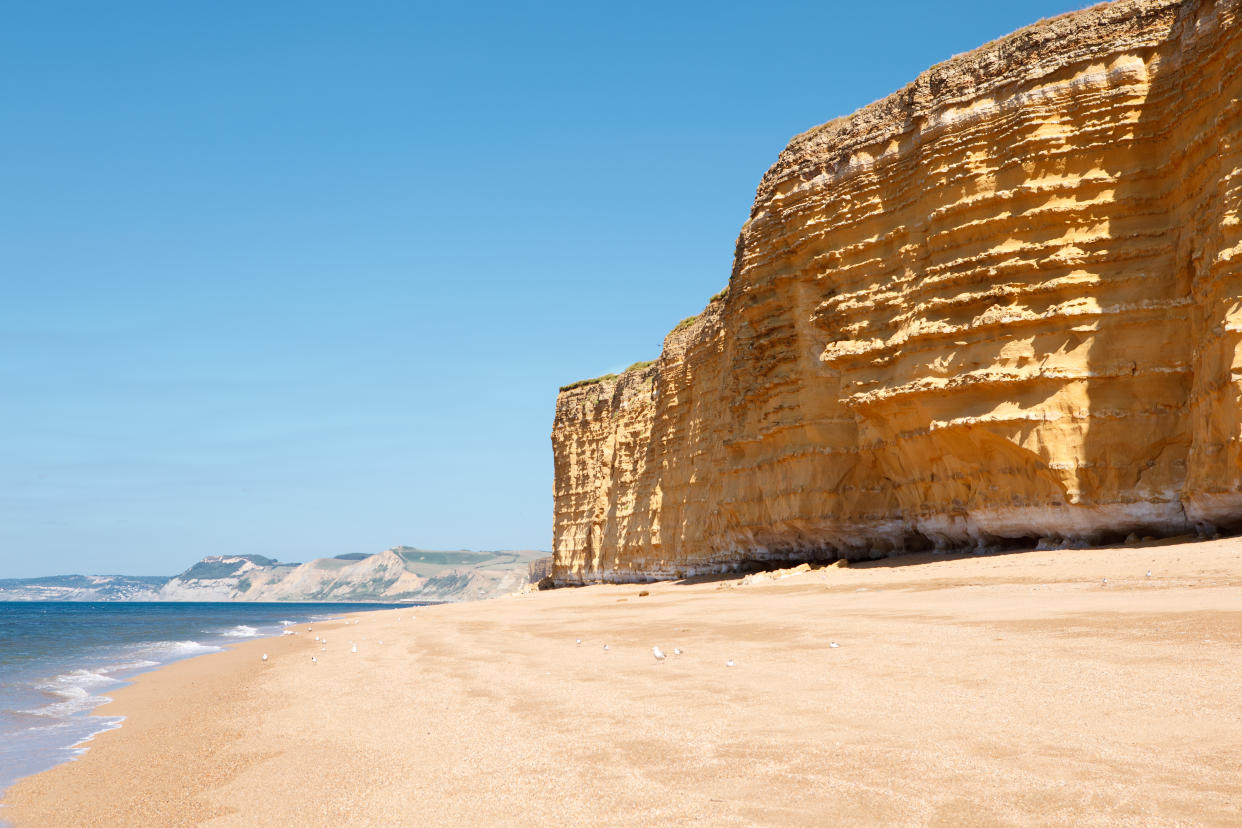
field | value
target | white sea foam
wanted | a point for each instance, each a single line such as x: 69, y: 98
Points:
x: 106, y: 723
x: 241, y: 631
x: 128, y: 666
x: 80, y: 678
x: 179, y: 649
x: 74, y: 689
x: 43, y: 728
x: 75, y: 700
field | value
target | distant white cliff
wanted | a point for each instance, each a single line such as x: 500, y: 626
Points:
x: 402, y: 573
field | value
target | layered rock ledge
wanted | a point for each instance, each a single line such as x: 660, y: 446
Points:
x: 1003, y: 304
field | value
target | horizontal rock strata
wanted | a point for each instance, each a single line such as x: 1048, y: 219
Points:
x: 1001, y: 304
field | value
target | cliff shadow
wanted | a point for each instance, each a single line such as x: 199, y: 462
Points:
x: 1141, y: 361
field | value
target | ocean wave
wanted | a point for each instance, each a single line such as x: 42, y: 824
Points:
x: 78, y: 691
x: 179, y: 649
x: 105, y: 723
x: 241, y: 631
x: 129, y: 666
x: 77, y: 680
x: 74, y: 689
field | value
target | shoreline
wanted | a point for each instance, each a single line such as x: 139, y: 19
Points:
x: 56, y: 705
x: 1035, y: 686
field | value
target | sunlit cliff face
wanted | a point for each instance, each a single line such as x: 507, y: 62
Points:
x: 1002, y: 304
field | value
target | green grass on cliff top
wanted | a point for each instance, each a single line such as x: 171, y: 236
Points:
x: 592, y: 381
x: 638, y: 366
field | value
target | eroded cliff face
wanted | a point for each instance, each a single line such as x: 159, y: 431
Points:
x: 1003, y: 303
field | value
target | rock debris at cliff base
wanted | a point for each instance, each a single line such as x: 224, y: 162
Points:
x: 1001, y: 305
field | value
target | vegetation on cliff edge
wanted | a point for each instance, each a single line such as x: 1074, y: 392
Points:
x: 591, y: 381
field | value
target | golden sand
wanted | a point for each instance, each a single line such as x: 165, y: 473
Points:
x: 1020, y: 688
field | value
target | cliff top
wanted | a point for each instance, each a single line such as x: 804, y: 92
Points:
x: 642, y: 365
x: 637, y: 366
x: 1033, y: 51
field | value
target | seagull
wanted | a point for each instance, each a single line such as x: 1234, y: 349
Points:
x: 658, y: 653
x: 579, y: 642
x: 676, y: 651
x: 1104, y: 582
x: 730, y: 663
x: 605, y: 646
x: 314, y: 660
x: 833, y: 644
x: 1149, y: 573
x: 265, y: 656
x: 316, y: 638
x: 353, y: 648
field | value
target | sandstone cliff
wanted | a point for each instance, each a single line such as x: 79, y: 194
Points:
x: 1003, y: 303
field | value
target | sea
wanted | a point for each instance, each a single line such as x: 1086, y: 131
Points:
x: 60, y: 660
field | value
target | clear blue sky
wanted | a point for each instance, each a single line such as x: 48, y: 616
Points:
x: 302, y: 278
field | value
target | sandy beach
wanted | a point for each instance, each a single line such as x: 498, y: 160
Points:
x: 1046, y: 687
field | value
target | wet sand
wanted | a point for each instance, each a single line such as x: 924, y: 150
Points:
x: 1003, y: 689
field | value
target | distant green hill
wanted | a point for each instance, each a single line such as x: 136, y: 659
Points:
x: 210, y: 568
x: 460, y: 558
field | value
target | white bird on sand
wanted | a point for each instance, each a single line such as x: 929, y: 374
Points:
x: 1104, y: 582
x: 676, y: 651
x: 1149, y: 573
x: 265, y: 656
x: 605, y: 646
x: 316, y: 638
x: 579, y: 642
x: 658, y: 653
x: 730, y: 663
x: 353, y: 647
x: 833, y: 644
x: 314, y: 660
